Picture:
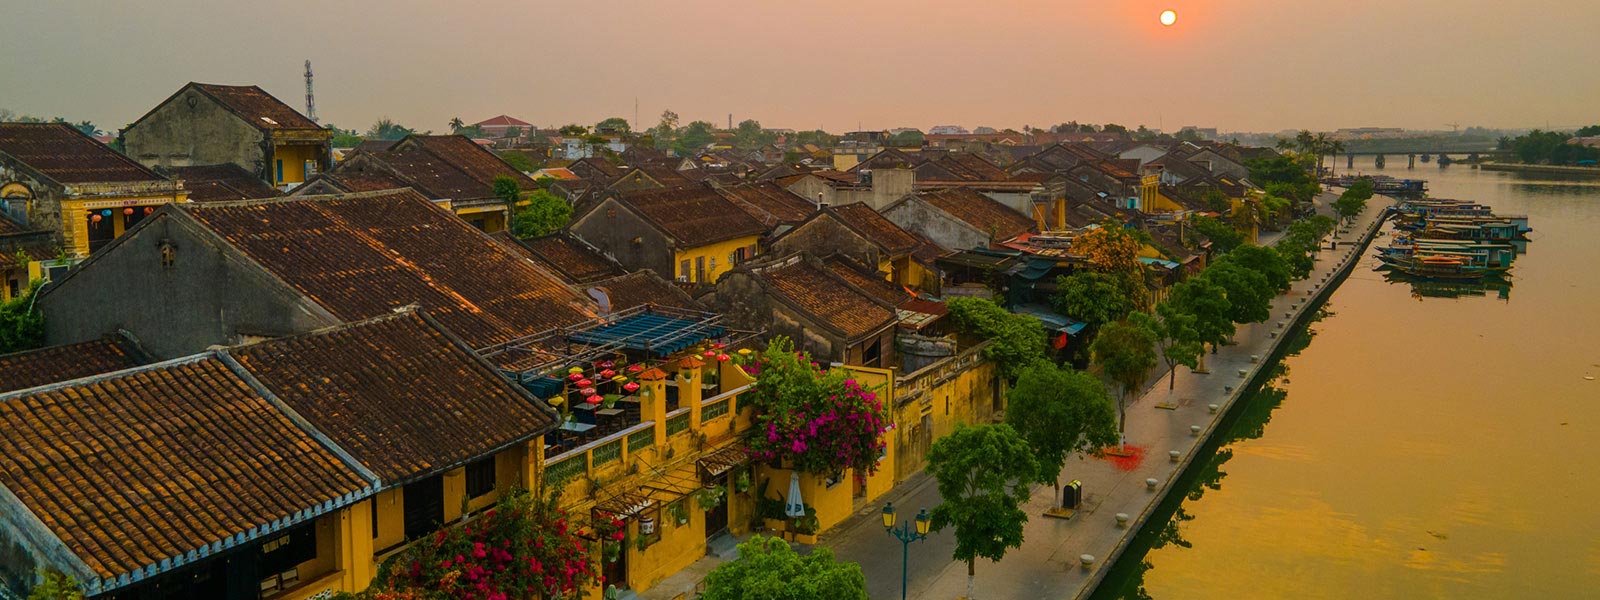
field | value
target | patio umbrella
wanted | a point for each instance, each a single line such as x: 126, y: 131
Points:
x: 795, y: 506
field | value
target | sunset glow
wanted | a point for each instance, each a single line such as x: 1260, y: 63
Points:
x: 1168, y: 17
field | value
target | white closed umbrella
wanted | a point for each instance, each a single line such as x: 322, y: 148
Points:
x: 795, y: 506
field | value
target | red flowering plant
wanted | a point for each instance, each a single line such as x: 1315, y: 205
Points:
x: 820, y: 421
x: 525, y: 547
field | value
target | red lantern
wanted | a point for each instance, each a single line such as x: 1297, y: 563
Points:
x: 630, y: 387
x: 94, y: 219
x: 710, y: 353
x: 723, y: 357
x: 584, y: 383
x: 148, y: 210
x: 635, y: 368
x: 575, y: 377
x: 592, y: 400
x: 606, y: 364
x: 607, y: 374
x: 718, y: 345
x: 588, y: 391
x: 127, y: 211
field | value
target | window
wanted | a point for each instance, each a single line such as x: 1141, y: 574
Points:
x: 373, y: 504
x: 480, y: 477
x: 310, y: 167
x: 280, y: 171
x: 683, y: 270
x: 699, y: 269
x: 871, y: 353
x: 713, y: 265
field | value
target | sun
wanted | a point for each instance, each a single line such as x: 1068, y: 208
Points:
x: 1168, y: 17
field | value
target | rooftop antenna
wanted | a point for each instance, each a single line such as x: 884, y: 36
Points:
x: 311, y: 101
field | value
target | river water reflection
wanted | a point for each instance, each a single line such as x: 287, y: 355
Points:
x: 1426, y: 442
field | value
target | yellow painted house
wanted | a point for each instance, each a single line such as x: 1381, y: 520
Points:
x: 212, y: 124
x: 55, y: 178
x: 691, y: 234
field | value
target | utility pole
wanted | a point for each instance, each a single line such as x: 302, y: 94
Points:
x: 311, y: 101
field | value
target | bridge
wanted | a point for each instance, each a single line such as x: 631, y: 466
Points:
x: 1445, y: 158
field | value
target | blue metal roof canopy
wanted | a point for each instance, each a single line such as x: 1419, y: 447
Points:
x: 657, y: 334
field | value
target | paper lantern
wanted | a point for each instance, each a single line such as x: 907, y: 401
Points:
x: 584, y: 383
x: 723, y: 357
x: 595, y: 399
x: 710, y: 353
x: 588, y: 391
x: 148, y: 210
x: 575, y: 370
x: 105, y: 213
x: 630, y: 387
x: 127, y: 211
x: 606, y: 364
x: 635, y: 368
x: 744, y: 352
x: 608, y: 373
x: 556, y: 401
x: 575, y: 376
x: 94, y: 218
x: 719, y: 345
x: 619, y: 378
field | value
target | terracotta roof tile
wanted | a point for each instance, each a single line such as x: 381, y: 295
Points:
x: 143, y: 466
x: 55, y: 364
x: 769, y: 203
x: 398, y: 393
x: 980, y: 211
x: 645, y: 287
x: 66, y: 155
x: 827, y: 298
x: 871, y: 283
x: 693, y: 215
x: 447, y: 166
x: 363, y: 255
x: 257, y: 107
x: 570, y: 258
x: 877, y: 229
x: 221, y: 183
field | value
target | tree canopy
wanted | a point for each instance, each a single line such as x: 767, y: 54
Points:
x: 1285, y: 177
x: 1224, y: 238
x: 1176, y: 339
x: 749, y: 135
x: 1016, y: 340
x: 387, y: 129
x: 519, y: 161
x: 769, y: 569
x: 544, y: 214
x: 1060, y: 412
x: 1125, y: 351
x: 1208, y: 303
x: 1552, y: 148
x: 1265, y: 261
x: 21, y: 323
x: 614, y: 126
x: 1093, y: 298
x: 983, y: 472
x: 693, y: 138
x: 1249, y: 293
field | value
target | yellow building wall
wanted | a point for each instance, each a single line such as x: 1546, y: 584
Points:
x: 490, y: 219
x: 294, y: 159
x: 721, y: 252
x: 391, y: 519
x: 679, y: 547
x: 75, y: 216
x: 344, y: 555
x: 22, y: 275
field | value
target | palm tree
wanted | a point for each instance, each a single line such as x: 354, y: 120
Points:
x: 1319, y: 144
x: 456, y: 124
x: 1335, y: 147
x: 1285, y: 144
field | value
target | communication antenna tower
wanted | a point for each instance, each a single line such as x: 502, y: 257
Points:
x: 311, y: 101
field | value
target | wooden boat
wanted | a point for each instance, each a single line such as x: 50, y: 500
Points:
x: 1438, y: 267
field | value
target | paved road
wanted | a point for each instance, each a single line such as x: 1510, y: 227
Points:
x: 1047, y: 564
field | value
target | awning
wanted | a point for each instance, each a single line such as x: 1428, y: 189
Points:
x: 649, y: 332
x: 1051, y: 320
x: 717, y: 463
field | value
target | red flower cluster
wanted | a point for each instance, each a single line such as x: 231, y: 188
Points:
x: 820, y: 421
x: 524, y: 548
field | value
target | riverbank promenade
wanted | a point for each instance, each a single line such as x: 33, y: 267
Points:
x: 1051, y: 561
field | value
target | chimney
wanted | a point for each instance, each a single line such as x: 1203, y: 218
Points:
x: 821, y: 204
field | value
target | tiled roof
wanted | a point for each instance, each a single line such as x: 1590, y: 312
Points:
x: 644, y: 287
x: 769, y: 203
x: 358, y: 181
x: 693, y: 215
x: 256, y: 106
x: 398, y: 393
x: 375, y: 145
x: 133, y: 469
x: 571, y: 259
x: 55, y: 364
x: 877, y: 229
x: 871, y: 283
x: 363, y: 255
x: 979, y: 211
x: 449, y: 166
x: 221, y: 183
x: 971, y: 166
x: 826, y: 297
x: 66, y: 155
x: 502, y: 121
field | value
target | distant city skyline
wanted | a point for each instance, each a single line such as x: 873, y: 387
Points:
x: 1246, y: 66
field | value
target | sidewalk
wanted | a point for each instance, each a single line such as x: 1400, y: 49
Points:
x: 1049, y: 559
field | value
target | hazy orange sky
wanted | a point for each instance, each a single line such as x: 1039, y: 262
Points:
x: 1246, y: 65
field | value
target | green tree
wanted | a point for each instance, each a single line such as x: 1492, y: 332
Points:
x: 456, y: 123
x: 749, y: 135
x: 1249, y: 293
x: 544, y: 214
x: 519, y: 161
x: 1016, y: 341
x: 473, y: 131
x: 507, y: 190
x: 1114, y: 128
x: 910, y: 138
x: 769, y: 569
x: 21, y: 323
x: 574, y: 130
x: 1177, y: 340
x: 55, y: 585
x: 1265, y: 261
x: 614, y: 126
x: 1060, y: 412
x: 1208, y: 303
x: 1092, y: 297
x: 1224, y: 238
x: 387, y: 129
x: 983, y: 473
x: 1125, y: 351
x: 693, y: 138
x: 666, y: 131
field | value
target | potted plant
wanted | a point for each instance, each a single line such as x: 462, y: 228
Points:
x: 712, y: 497
x: 741, y: 483
x: 679, y: 513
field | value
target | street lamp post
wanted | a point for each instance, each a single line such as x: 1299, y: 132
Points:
x: 911, y: 531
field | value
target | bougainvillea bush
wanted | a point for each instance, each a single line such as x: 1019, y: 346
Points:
x: 525, y: 547
x: 821, y: 421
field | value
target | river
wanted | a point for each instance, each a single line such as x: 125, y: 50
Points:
x: 1416, y: 443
